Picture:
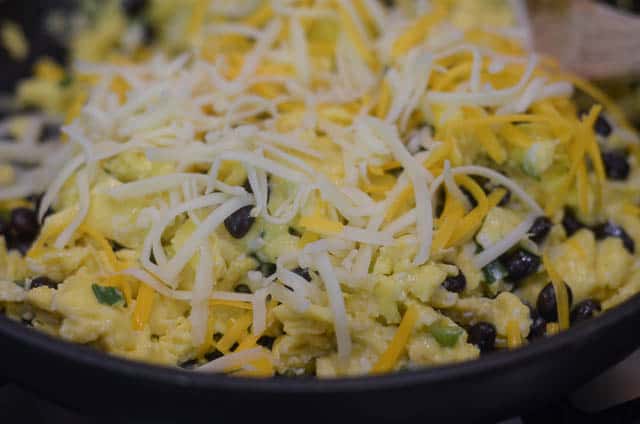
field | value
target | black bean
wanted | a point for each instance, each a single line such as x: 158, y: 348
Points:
x: 602, y: 126
x: 36, y: 199
x: 472, y: 200
x: 21, y: 246
x: 115, y: 246
x: 247, y: 187
x: 585, y: 310
x: 133, y: 8
x: 547, y: 305
x: 24, y: 224
x: 570, y: 223
x: 43, y: 282
x: 483, y: 335
x: 148, y: 33
x: 538, y: 325
x: 455, y: 284
x: 239, y: 223
x: 540, y: 229
x: 609, y: 229
x: 267, y: 269
x: 4, y: 227
x: 440, y: 199
x: 616, y: 164
x: 242, y: 288
x: 190, y: 364
x: 506, y: 198
x: 266, y: 341
x: 292, y: 231
x: 520, y: 264
x: 389, y: 3
x: 50, y: 132
x: 303, y: 272
x: 213, y: 355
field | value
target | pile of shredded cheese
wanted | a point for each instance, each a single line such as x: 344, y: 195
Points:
x: 372, y: 116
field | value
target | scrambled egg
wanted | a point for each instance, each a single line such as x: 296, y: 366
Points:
x: 93, y: 302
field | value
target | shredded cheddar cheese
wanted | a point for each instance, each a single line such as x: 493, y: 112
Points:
x: 398, y: 343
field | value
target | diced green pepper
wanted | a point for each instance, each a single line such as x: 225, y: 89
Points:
x: 494, y: 271
x: 108, y: 295
x: 446, y: 335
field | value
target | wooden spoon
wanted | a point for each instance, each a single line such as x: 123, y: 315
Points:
x: 591, y: 39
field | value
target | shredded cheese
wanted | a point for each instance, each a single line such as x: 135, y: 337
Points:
x: 561, y: 293
x: 390, y: 357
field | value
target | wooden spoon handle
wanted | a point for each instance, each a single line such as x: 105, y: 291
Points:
x: 591, y: 39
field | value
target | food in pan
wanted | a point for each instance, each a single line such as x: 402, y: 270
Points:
x: 313, y: 188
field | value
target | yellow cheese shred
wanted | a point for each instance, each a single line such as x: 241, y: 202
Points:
x: 562, y: 296
x: 402, y: 201
x: 103, y: 244
x: 231, y: 303
x: 47, y: 69
x: 320, y: 225
x: 390, y: 357
x: 487, y: 137
x: 496, y: 197
x: 417, y: 31
x: 515, y: 136
x: 387, y: 166
x: 514, y: 338
x: 552, y: 328
x: 261, y: 16
x: 576, y: 155
x: 360, y: 44
x: 382, y: 108
x: 248, y: 342
x: 445, y: 82
x: 473, y: 220
x: 582, y: 184
x: 197, y: 17
x: 144, y: 306
x: 599, y: 96
x: 261, y: 368
x: 451, y: 215
x: 76, y: 107
x: 308, y: 237
x: 235, y: 330
x: 120, y: 86
x: 208, y: 339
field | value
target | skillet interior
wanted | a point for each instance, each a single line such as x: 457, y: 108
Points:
x: 496, y: 386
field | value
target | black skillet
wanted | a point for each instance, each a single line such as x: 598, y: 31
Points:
x: 497, y: 386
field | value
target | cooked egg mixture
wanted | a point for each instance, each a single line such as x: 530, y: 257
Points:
x: 318, y: 187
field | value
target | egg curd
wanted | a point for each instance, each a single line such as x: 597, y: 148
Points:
x: 314, y: 187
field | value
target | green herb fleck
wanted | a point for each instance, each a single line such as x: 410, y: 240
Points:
x: 66, y: 81
x: 446, y: 335
x: 108, y: 295
x: 494, y: 271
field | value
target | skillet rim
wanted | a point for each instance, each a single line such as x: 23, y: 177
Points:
x: 179, y: 378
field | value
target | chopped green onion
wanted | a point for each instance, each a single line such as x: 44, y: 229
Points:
x: 446, y: 335
x: 494, y: 271
x: 108, y: 295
